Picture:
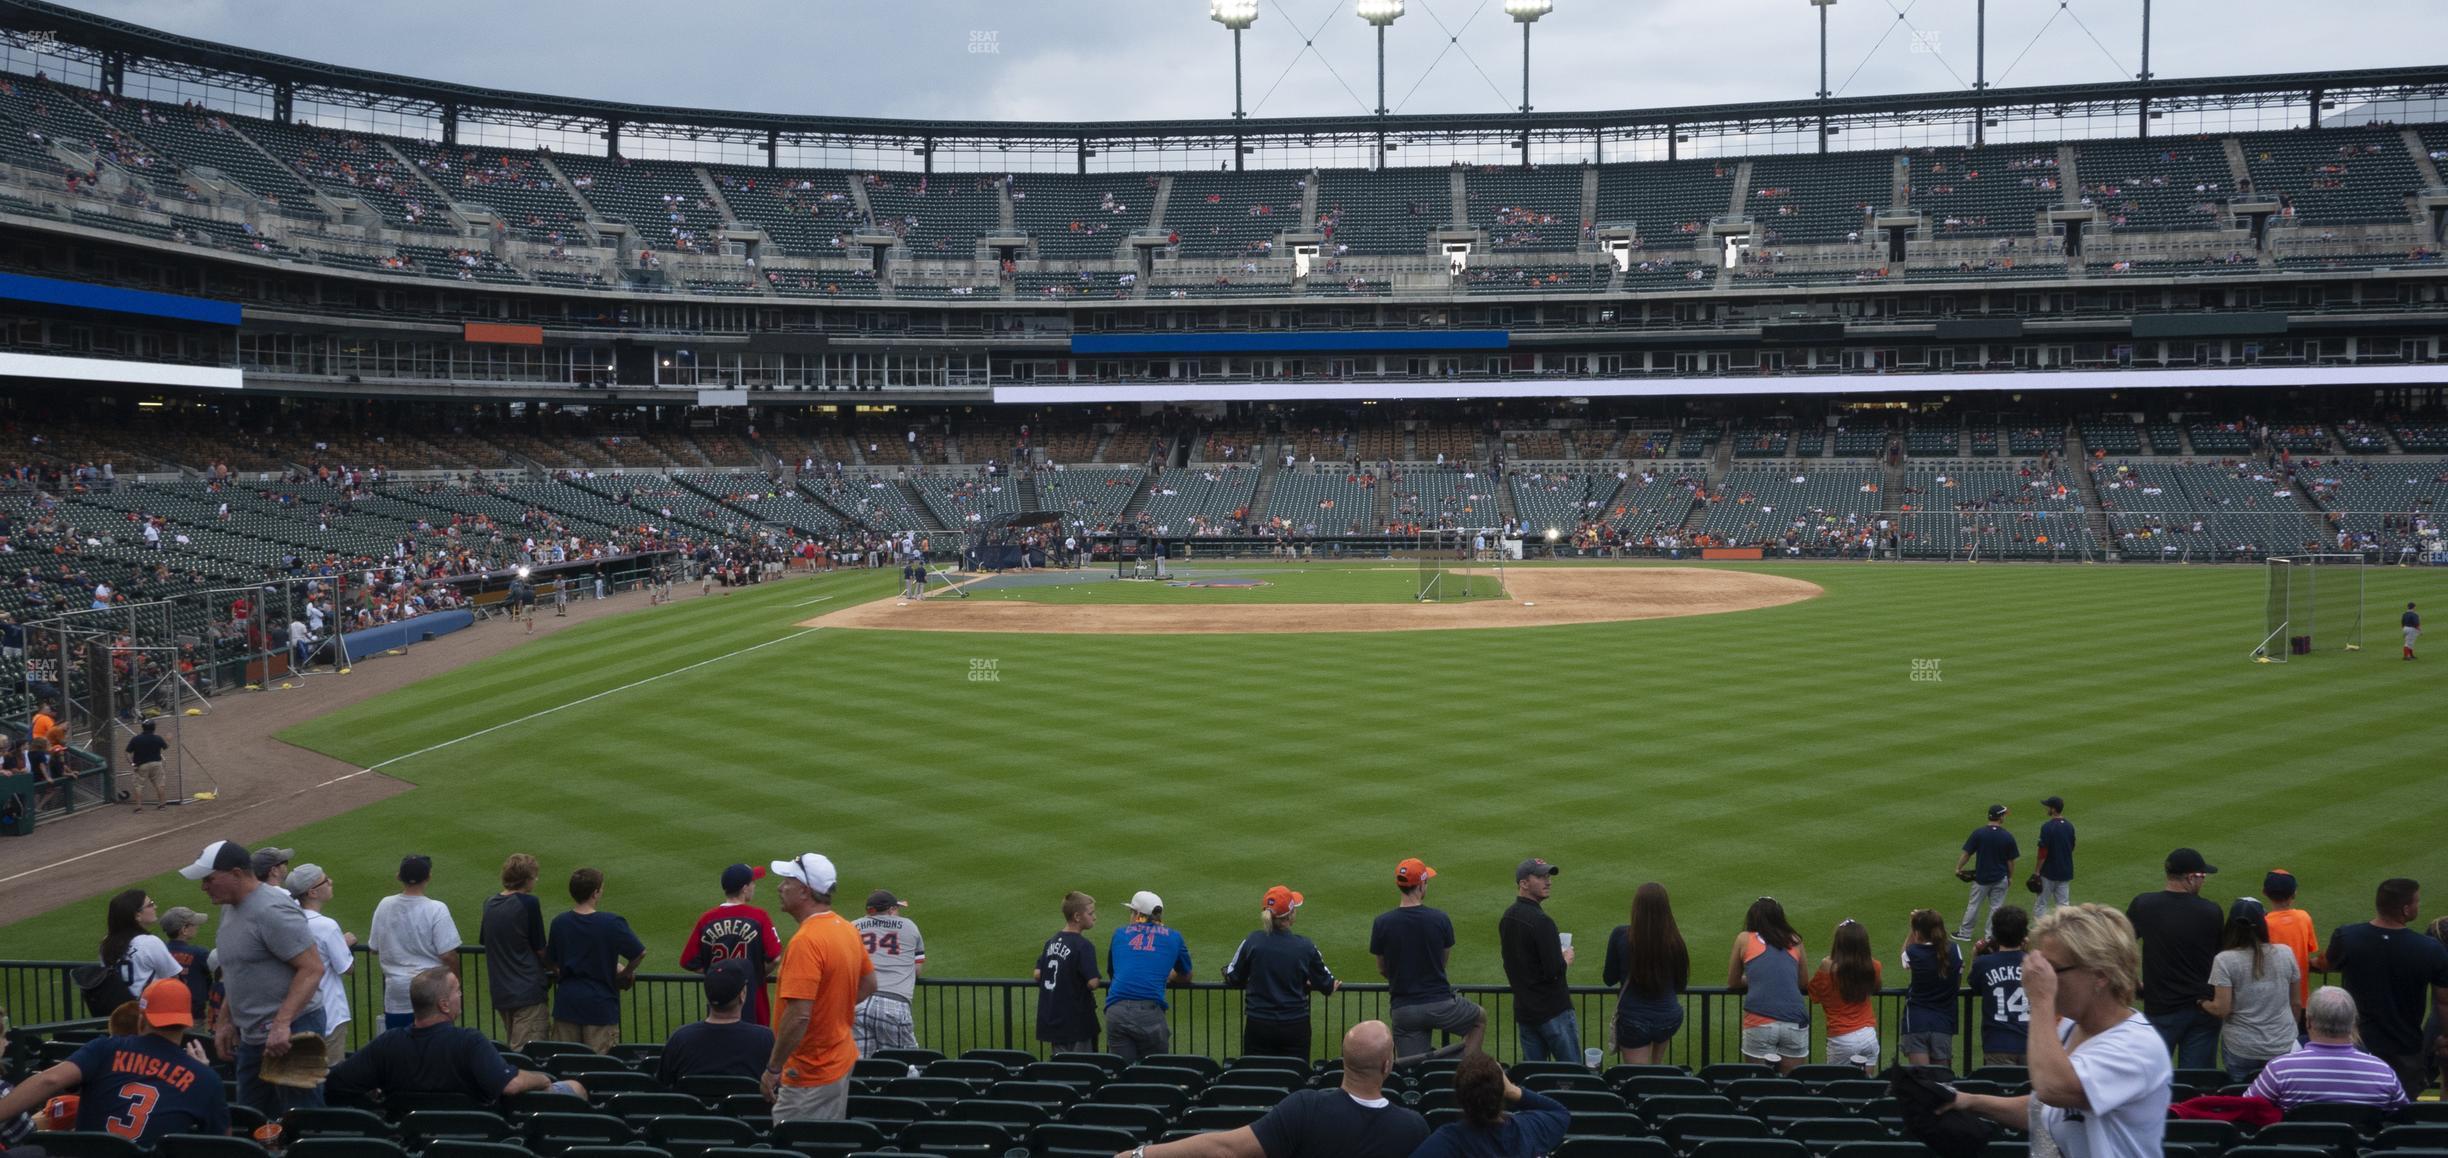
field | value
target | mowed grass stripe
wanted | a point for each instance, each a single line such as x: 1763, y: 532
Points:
x: 1784, y: 751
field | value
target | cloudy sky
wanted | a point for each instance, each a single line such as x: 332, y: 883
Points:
x: 1060, y: 60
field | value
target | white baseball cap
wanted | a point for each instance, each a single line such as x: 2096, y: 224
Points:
x: 1146, y: 903
x: 219, y: 856
x: 810, y: 869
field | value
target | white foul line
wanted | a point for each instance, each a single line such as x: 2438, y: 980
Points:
x: 412, y: 755
x: 805, y: 602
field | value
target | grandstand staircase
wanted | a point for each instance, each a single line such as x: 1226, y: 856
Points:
x: 1589, y: 208
x: 594, y: 218
x: 1458, y: 189
x: 2421, y: 157
x: 1381, y: 497
x: 1268, y: 464
x: 1104, y: 443
x: 1029, y: 498
x: 1163, y: 198
x: 1308, y: 217
x: 2078, y: 462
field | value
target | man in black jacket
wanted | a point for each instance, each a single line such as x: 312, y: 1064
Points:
x: 1534, y: 963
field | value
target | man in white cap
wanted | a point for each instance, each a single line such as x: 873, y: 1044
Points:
x: 271, y: 974
x: 825, y: 975
x: 899, y: 953
x: 1144, y: 957
x: 312, y: 889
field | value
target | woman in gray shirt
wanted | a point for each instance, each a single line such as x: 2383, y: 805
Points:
x: 2252, y: 990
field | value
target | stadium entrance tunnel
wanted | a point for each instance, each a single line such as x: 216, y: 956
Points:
x: 1539, y: 597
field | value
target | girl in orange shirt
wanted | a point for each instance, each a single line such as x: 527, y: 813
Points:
x: 1846, y: 983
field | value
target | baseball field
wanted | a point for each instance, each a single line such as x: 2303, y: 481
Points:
x: 1832, y: 751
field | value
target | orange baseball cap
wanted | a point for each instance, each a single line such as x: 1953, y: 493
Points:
x: 1412, y: 872
x: 167, y: 1003
x: 60, y: 1113
x: 1281, y: 900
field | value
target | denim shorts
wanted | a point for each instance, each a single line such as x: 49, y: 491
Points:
x: 1637, y: 1030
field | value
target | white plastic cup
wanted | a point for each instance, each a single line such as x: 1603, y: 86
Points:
x: 1567, y: 939
x: 1592, y: 1056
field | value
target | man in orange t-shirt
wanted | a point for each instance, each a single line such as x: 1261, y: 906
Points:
x: 825, y: 974
x: 2291, y: 927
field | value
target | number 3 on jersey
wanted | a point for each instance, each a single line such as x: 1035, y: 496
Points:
x: 140, y: 1099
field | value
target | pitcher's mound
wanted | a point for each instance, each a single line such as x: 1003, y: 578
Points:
x: 1561, y: 595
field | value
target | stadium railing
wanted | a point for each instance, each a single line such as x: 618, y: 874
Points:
x: 955, y: 1015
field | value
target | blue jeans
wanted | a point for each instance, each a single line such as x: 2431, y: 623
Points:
x: 1556, y: 1040
x: 273, y: 1100
x: 2194, y: 1036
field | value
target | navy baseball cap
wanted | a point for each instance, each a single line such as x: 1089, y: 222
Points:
x: 738, y: 877
x: 2278, y: 885
x: 1996, y: 810
x: 2185, y: 861
x: 725, y: 982
x: 415, y: 869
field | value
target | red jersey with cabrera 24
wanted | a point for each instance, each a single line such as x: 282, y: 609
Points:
x: 737, y: 932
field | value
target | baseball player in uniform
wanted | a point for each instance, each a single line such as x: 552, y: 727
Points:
x: 561, y: 588
x: 899, y: 952
x: 2413, y: 628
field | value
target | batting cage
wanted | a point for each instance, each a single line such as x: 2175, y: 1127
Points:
x: 2313, y: 606
x: 1457, y: 564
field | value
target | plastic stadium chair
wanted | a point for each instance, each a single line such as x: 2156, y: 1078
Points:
x: 578, y: 1065
x: 1779, y: 1109
x: 614, y: 1152
x: 713, y: 1088
x: 638, y: 1108
x: 1207, y: 1067
x: 1521, y: 1071
x: 1877, y: 1150
x: 523, y: 1106
x: 976, y: 1071
x: 316, y: 1121
x: 1822, y: 1073
x: 1111, y: 1063
x: 922, y: 1058
x: 2364, y: 1120
x: 1723, y: 1072
x: 1589, y: 1101
x: 1750, y: 1148
x: 1607, y: 1124
x: 540, y: 1050
x: 1170, y: 1099
x: 2012, y: 1077
x: 208, y: 1146
x: 1267, y: 1061
x: 1822, y: 1133
x: 1052, y: 1095
x: 1617, y: 1075
x: 1687, y: 1130
x: 611, y: 1083
x: 2198, y: 1133
x: 343, y: 1146
x: 1277, y: 1077
x: 1643, y: 1085
x: 1744, y: 1091
x: 828, y: 1139
x: 470, y: 1148
x: 1178, y: 1077
x: 1010, y: 1059
x: 686, y: 1135
x: 1548, y: 1082
x: 1143, y: 1122
x: 85, y: 1144
x: 1658, y: 1106
x: 937, y: 1093
x: 553, y: 1132
x: 638, y: 1055
x: 244, y: 1118
x: 1079, y: 1075
x: 1854, y: 1090
x: 400, y: 1105
x: 1075, y: 1140
x: 2422, y: 1113
x: 2423, y: 1136
x: 2333, y: 1136
x: 889, y: 1114
x: 879, y: 1069
x: 957, y: 1139
x: 1588, y: 1146
x: 1201, y: 1119
x: 1019, y: 1116
x: 1231, y: 1094
x: 2006, y: 1149
x: 2260, y: 1151
x: 422, y: 1126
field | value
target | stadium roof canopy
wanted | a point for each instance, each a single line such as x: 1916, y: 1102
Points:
x: 112, y: 50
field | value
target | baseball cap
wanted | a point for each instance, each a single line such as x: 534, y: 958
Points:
x: 303, y: 879
x: 167, y: 1003
x: 1534, y: 867
x: 219, y: 856
x: 2053, y: 803
x: 2278, y: 885
x: 883, y: 899
x: 1281, y: 900
x: 1997, y: 810
x: 2185, y: 860
x: 1146, y: 904
x: 725, y: 982
x: 181, y: 918
x: 60, y: 1113
x: 1412, y: 872
x: 810, y: 869
x: 2247, y: 907
x: 738, y: 877
x: 267, y: 859
x: 415, y: 869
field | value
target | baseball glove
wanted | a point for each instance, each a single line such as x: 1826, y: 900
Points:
x: 2032, y: 883
x: 303, y: 1066
x: 1964, y: 875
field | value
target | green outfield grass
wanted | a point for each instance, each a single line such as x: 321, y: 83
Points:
x: 1787, y: 751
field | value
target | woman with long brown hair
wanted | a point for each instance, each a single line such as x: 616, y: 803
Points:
x: 1649, y: 966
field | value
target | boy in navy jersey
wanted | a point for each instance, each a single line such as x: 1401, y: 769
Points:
x: 143, y: 1087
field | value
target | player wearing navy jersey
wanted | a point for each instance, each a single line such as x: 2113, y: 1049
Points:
x: 737, y: 930
x: 143, y: 1087
x: 2412, y: 623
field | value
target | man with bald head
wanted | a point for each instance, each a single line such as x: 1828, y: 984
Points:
x: 1354, y: 1120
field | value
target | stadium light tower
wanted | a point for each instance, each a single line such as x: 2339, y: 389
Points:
x: 1823, y: 6
x: 1236, y: 15
x: 1526, y: 13
x: 1380, y: 13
